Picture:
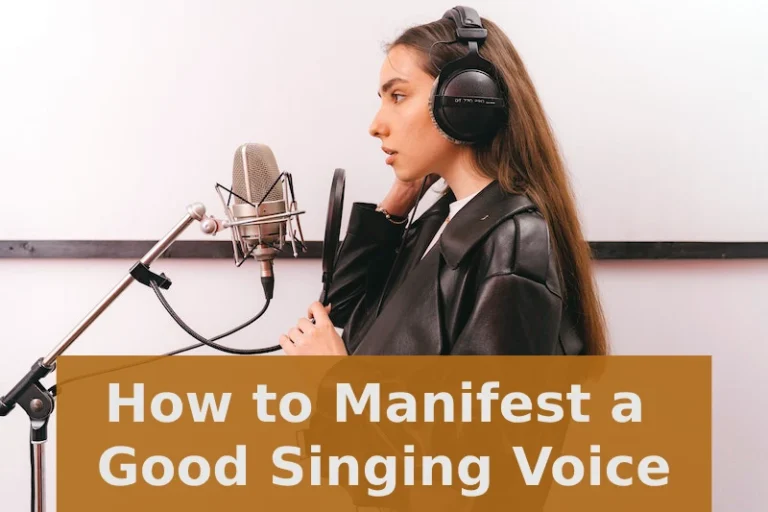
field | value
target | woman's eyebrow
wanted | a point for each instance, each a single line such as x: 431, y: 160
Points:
x: 388, y: 85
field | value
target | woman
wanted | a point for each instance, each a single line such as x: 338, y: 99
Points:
x: 498, y: 264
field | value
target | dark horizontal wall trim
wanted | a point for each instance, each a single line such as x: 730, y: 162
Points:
x: 679, y: 250
x: 135, y: 249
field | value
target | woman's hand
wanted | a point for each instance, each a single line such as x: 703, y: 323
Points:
x: 403, y: 195
x: 314, y: 339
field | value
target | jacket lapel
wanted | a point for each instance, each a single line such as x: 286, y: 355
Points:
x: 490, y: 207
x: 408, y: 321
x: 427, y: 232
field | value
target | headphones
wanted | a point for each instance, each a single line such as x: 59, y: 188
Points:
x: 466, y: 103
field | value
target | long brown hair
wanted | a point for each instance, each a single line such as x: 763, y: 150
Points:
x: 524, y: 158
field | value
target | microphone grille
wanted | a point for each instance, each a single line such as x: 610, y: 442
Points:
x: 254, y: 170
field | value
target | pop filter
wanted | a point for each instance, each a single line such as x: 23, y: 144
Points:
x: 332, y: 230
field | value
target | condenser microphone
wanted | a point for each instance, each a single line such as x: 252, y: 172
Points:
x: 255, y: 177
x: 261, y: 211
x: 258, y: 195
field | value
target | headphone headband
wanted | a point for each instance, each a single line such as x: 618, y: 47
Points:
x: 469, y: 27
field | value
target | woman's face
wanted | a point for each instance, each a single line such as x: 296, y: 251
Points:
x: 403, y: 122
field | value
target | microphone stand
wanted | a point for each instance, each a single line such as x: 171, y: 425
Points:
x: 38, y: 402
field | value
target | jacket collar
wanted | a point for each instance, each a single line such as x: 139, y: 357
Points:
x: 489, y: 208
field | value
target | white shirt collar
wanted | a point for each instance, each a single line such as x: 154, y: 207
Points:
x: 458, y: 205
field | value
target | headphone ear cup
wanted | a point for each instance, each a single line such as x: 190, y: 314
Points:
x: 436, y: 116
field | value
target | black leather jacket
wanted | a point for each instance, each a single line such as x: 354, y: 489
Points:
x: 489, y: 286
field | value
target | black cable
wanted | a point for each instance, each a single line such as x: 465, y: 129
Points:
x: 211, y: 343
x: 54, y: 389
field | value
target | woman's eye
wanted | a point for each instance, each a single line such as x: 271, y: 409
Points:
x: 395, y: 96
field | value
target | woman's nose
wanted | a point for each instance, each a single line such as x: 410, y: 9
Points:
x: 378, y: 127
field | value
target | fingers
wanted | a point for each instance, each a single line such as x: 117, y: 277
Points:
x: 288, y: 347
x: 319, y: 313
x: 309, y: 310
x: 305, y: 325
x: 295, y: 335
x: 305, y: 334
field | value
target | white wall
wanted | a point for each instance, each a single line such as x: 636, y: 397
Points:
x: 660, y: 108
x: 662, y: 103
